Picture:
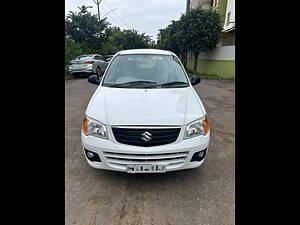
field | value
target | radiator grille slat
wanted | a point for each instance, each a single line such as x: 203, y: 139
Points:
x: 123, y: 159
x: 134, y: 162
x: 146, y: 157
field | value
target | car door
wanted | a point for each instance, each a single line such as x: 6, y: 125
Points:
x: 96, y: 63
x: 103, y: 63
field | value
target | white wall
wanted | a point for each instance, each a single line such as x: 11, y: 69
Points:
x: 220, y: 53
x: 230, y: 8
x: 195, y: 3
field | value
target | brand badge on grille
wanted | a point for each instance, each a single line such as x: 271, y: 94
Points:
x: 146, y: 136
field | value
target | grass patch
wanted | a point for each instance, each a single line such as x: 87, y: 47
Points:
x: 67, y: 75
x: 192, y: 73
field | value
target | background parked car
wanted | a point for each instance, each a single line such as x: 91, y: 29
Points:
x: 88, y: 64
x: 108, y: 58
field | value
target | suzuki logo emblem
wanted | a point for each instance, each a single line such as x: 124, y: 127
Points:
x: 146, y: 136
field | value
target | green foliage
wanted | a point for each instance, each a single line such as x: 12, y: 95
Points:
x: 129, y: 39
x: 169, y: 37
x: 73, y: 49
x: 204, y: 29
x: 85, y: 28
x: 196, y: 31
x: 84, y: 34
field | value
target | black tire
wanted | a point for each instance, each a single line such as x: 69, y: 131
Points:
x: 98, y: 72
x: 76, y: 75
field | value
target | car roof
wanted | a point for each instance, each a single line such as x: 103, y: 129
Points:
x: 145, y: 51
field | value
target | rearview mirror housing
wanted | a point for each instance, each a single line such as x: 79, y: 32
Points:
x: 94, y: 79
x: 195, y: 80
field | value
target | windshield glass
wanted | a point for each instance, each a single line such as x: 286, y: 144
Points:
x: 141, y: 71
x: 84, y: 57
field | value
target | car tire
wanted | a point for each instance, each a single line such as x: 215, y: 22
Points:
x: 98, y: 72
x: 76, y: 75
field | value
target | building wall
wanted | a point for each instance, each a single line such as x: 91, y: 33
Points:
x: 205, y: 3
x: 228, y: 38
x: 220, y: 61
x: 220, y: 6
x: 222, y: 68
x: 222, y: 53
x: 230, y: 9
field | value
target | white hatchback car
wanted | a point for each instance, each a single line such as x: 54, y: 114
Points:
x: 145, y: 116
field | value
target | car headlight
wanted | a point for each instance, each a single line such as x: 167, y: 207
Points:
x: 94, y: 128
x: 197, y: 128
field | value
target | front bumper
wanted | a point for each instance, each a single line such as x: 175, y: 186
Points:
x: 103, y: 147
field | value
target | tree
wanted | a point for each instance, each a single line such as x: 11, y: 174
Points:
x: 197, y: 30
x: 168, y: 37
x: 204, y: 27
x: 153, y: 44
x: 85, y: 28
x: 84, y: 31
x: 73, y: 49
x: 129, y: 39
x: 174, y: 38
x: 182, y: 38
x: 85, y: 34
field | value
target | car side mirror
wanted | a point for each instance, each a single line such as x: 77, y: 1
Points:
x: 94, y: 79
x: 195, y: 80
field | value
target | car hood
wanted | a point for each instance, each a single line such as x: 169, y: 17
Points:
x: 125, y: 106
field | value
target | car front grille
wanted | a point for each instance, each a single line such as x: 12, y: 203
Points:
x: 174, y: 159
x: 134, y: 136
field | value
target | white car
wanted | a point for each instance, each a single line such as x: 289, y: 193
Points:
x: 88, y: 64
x: 145, y: 116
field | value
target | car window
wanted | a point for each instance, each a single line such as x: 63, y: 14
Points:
x: 97, y: 57
x: 84, y: 57
x: 155, y: 68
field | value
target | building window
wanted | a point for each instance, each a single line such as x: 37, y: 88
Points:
x: 228, y: 18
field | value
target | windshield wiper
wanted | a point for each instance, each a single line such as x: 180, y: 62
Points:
x: 171, y: 84
x: 132, y: 83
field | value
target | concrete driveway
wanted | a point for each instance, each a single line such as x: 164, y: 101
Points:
x: 204, y: 195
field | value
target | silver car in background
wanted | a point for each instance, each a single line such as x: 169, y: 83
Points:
x: 108, y: 58
x: 88, y: 64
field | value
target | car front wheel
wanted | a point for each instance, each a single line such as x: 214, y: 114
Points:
x: 98, y: 72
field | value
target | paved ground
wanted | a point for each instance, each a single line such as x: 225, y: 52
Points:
x: 200, y: 196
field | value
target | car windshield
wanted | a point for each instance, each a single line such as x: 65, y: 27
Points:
x: 145, y: 71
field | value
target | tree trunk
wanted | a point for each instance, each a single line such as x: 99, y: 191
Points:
x: 185, y: 60
x: 179, y: 55
x: 182, y: 58
x: 196, y: 61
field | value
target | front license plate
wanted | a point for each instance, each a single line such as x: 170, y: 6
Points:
x: 146, y: 168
